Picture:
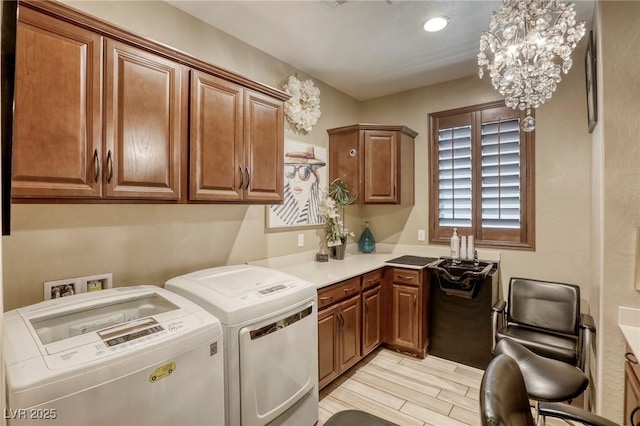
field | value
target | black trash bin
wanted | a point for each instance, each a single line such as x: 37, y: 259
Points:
x: 460, y: 317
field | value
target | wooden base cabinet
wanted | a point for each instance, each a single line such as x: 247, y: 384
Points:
x: 339, y: 329
x: 409, y: 307
x: 371, y: 311
x: 631, y: 390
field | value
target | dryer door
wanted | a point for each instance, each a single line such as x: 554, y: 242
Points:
x: 278, y: 363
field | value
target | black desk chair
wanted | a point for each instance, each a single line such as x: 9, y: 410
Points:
x: 545, y: 317
x: 504, y: 400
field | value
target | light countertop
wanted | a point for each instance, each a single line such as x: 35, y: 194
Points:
x: 322, y: 274
x: 629, y: 323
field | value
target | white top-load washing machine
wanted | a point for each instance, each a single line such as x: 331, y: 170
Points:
x: 124, y: 356
x: 269, y: 321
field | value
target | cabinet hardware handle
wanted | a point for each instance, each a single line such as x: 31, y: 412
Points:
x: 326, y: 298
x: 366, y: 308
x: 372, y: 280
x: 340, y: 321
x: 415, y: 299
x: 241, y: 177
x: 246, y: 169
x: 96, y: 163
x: 110, y: 163
x: 405, y: 277
x: 632, y: 415
x: 347, y: 290
x: 631, y: 358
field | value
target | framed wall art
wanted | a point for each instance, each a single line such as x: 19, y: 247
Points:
x: 592, y: 82
x: 305, y: 176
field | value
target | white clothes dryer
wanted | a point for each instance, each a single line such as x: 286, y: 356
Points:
x: 124, y: 356
x: 270, y: 322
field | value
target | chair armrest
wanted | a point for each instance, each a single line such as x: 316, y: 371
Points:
x: 567, y: 412
x: 587, y: 323
x: 499, y: 306
x: 497, y: 320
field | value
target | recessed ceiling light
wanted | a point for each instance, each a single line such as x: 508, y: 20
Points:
x: 436, y: 24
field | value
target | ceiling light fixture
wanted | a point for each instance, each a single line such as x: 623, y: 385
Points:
x: 436, y: 24
x: 528, y: 44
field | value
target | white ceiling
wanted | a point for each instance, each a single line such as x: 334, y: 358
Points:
x: 365, y: 48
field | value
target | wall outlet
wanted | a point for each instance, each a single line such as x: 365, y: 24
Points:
x: 300, y: 240
x: 421, y: 235
x: 62, y: 288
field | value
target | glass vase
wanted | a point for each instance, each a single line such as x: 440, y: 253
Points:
x: 366, y: 243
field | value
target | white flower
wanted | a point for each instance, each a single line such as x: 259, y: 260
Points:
x: 335, y: 230
x: 303, y: 108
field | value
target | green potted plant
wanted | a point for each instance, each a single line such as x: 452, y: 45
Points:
x: 336, y: 233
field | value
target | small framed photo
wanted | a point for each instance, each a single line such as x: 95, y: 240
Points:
x: 592, y: 82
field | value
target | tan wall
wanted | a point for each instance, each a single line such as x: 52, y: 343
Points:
x: 562, y: 178
x: 619, y: 172
x: 147, y: 244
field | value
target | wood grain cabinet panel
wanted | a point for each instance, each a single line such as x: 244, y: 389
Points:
x: 350, y: 332
x: 216, y: 139
x: 328, y: 367
x: 376, y: 161
x: 263, y: 148
x: 144, y: 124
x: 405, y: 316
x: 371, y: 319
x: 58, y: 109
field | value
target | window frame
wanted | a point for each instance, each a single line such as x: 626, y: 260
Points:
x: 523, y: 238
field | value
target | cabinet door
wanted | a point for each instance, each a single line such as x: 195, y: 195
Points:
x: 405, y: 316
x: 350, y: 333
x: 145, y: 124
x: 345, y: 154
x: 216, y: 170
x: 380, y: 166
x: 328, y: 323
x: 371, y: 306
x: 263, y: 148
x: 58, y: 109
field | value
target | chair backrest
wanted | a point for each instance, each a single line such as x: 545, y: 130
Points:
x: 503, y: 395
x: 544, y: 305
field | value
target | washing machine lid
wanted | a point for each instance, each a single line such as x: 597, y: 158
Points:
x: 72, y: 332
x: 238, y: 293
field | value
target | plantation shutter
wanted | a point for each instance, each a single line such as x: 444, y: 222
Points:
x: 454, y: 176
x: 500, y: 170
x: 482, y: 176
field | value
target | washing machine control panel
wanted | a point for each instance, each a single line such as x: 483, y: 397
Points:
x: 137, y: 335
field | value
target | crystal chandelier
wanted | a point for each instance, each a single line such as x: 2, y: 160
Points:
x: 528, y: 44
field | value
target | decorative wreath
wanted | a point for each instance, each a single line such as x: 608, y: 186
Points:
x: 303, y: 108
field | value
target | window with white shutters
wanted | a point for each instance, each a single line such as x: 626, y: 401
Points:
x: 482, y: 176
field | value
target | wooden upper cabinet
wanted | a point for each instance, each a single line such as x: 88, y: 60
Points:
x: 263, y: 148
x: 376, y: 161
x: 145, y: 124
x: 58, y: 113
x: 216, y: 139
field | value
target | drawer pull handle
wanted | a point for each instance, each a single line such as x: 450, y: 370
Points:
x: 110, y: 163
x: 405, y: 277
x: 246, y: 170
x: 322, y: 299
x: 415, y: 299
x: 347, y: 290
x: 631, y: 358
x: 372, y: 280
x: 96, y: 167
x: 632, y: 415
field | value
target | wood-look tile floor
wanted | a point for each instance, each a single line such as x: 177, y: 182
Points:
x: 407, y: 391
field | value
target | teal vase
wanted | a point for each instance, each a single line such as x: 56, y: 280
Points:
x: 366, y: 243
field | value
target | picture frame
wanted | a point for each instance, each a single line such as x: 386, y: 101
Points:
x: 305, y: 177
x: 591, y: 78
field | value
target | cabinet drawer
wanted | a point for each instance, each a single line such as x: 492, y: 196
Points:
x: 371, y: 279
x: 406, y: 276
x: 338, y: 292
